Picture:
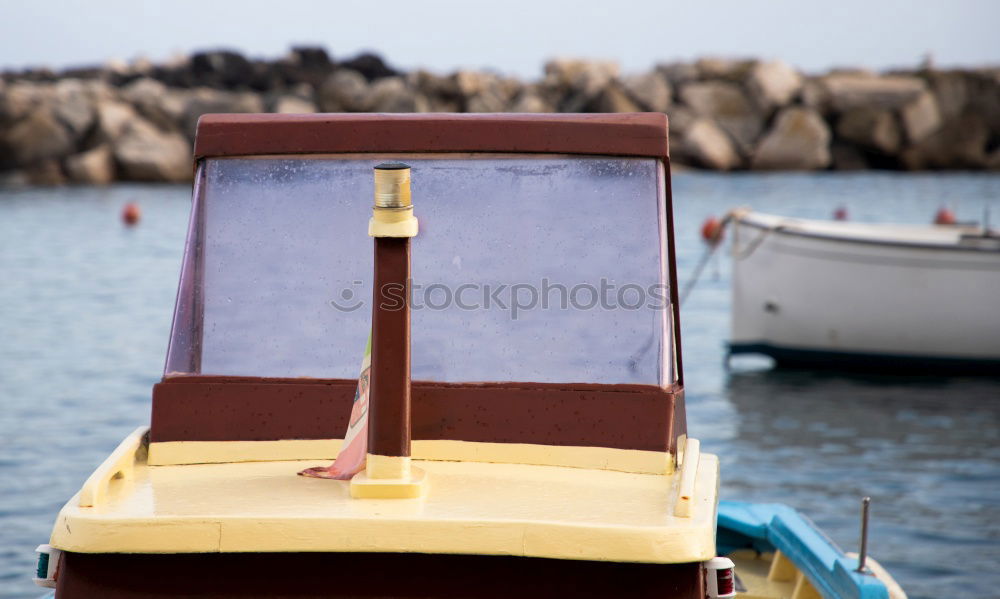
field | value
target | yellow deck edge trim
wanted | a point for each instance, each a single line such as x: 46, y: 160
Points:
x: 135, y: 518
x: 119, y: 465
x: 179, y: 453
x: 375, y: 527
x: 174, y: 453
x: 689, y: 473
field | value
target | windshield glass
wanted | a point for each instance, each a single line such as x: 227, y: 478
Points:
x: 526, y: 268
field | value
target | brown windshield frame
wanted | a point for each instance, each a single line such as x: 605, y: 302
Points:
x: 197, y: 407
x: 642, y: 134
x: 230, y: 408
x: 626, y: 134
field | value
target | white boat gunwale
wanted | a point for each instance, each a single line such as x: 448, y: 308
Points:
x: 799, y: 227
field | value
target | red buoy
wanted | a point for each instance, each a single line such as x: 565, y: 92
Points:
x: 944, y: 216
x: 131, y: 214
x: 711, y: 231
x: 840, y: 213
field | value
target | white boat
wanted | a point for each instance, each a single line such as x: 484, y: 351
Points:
x: 875, y: 296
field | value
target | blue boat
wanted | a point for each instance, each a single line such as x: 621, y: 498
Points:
x: 778, y: 552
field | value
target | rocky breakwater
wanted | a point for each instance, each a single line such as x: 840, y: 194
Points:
x: 136, y: 122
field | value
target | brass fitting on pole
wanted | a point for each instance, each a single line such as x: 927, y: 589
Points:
x: 392, y: 215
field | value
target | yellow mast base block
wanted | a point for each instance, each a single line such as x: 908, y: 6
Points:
x: 412, y: 487
x: 406, y: 227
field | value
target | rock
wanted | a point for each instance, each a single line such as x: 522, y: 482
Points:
x: 678, y: 73
x: 144, y: 153
x: 993, y: 161
x: 587, y: 75
x: 93, y: 167
x: 815, y: 95
x: 530, y: 100
x: 709, y: 146
x: 799, y: 140
x: 847, y: 91
x: 729, y: 69
x: 288, y: 104
x: 491, y: 100
x: 17, y: 100
x: 482, y: 92
x: 35, y: 138
x: 681, y: 117
x: 204, y: 101
x: 920, y: 117
x: 154, y: 101
x: 650, y: 91
x: 46, y: 172
x: 115, y: 66
x: 725, y: 103
x: 13, y: 179
x: 613, y: 99
x: 73, y: 106
x: 371, y: 66
x: 469, y: 83
x: 221, y: 68
x: 273, y: 77
x: 313, y: 58
x: 344, y: 91
x: 391, y: 94
x: 98, y: 91
x: 112, y: 118
x: 84, y: 73
x: 141, y: 66
x: 984, y: 98
x: 853, y: 72
x: 510, y: 86
x: 176, y: 72
x: 773, y: 84
x: 579, y: 81
x: 872, y: 128
x: 38, y: 75
x: 847, y: 157
x: 440, y: 94
x: 951, y: 92
x: 958, y: 144
x: 305, y: 64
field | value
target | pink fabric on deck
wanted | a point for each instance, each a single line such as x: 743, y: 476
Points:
x: 354, y: 451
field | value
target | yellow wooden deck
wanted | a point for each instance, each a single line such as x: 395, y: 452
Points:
x: 470, y: 508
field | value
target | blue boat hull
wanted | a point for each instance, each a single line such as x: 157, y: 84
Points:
x: 769, y: 527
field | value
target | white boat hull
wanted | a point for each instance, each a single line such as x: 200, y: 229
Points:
x: 832, y: 293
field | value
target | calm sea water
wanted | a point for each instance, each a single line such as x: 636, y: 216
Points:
x: 85, y: 308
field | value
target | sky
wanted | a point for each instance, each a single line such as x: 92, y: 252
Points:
x: 509, y: 36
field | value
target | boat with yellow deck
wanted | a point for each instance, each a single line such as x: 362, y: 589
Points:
x: 514, y: 446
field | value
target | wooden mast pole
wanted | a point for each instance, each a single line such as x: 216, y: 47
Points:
x: 388, y: 472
